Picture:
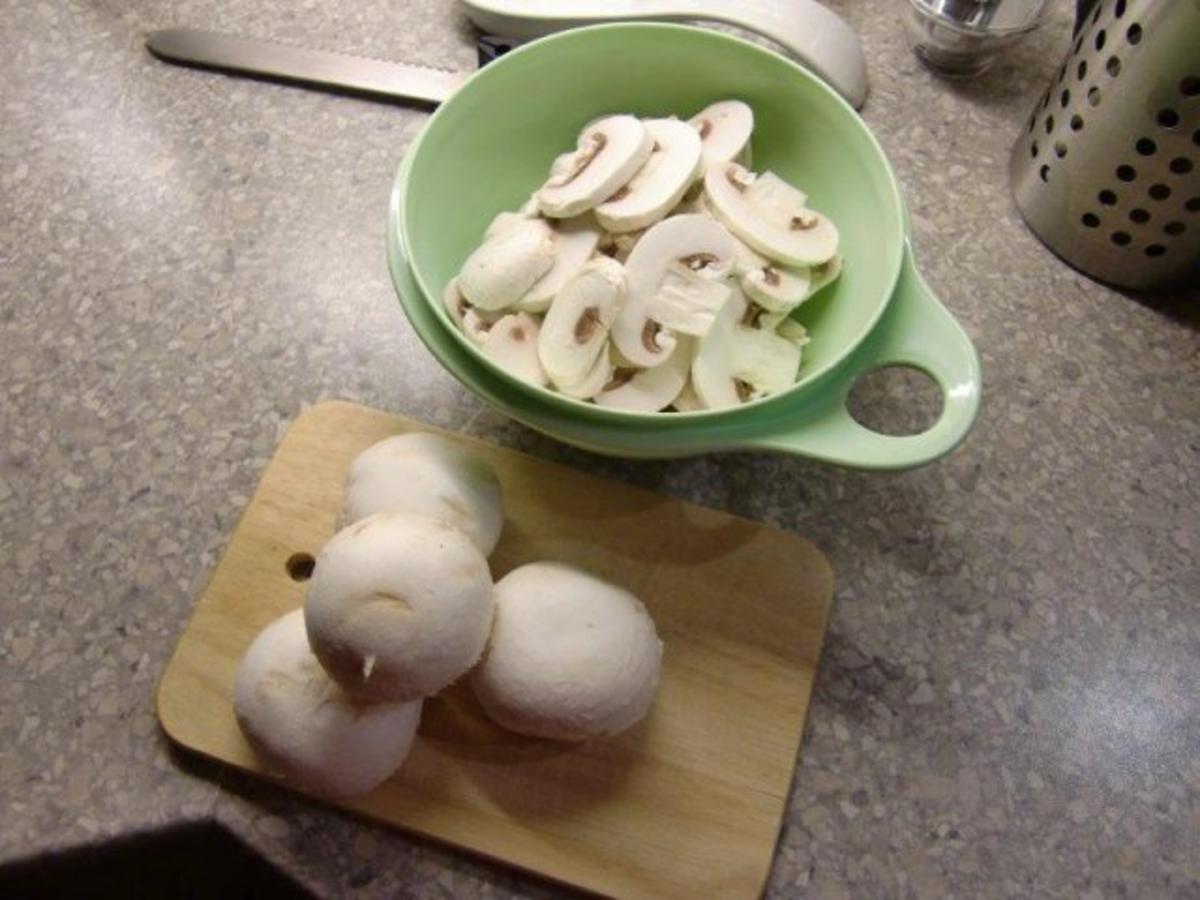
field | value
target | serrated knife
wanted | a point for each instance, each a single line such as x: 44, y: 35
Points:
x: 318, y: 68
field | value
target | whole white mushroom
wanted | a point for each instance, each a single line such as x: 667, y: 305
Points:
x: 430, y: 475
x: 399, y: 606
x: 571, y: 656
x: 312, y: 732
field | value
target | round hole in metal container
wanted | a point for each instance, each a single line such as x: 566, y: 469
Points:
x: 1065, y: 99
x: 1101, y: 37
x: 1190, y: 86
x: 1076, y: 122
x: 1167, y: 117
x: 1093, y: 96
x: 1193, y: 205
x: 1060, y: 149
x: 1033, y: 149
x: 1134, y: 34
x: 1140, y: 216
x: 1174, y: 229
x: 1126, y: 172
x: 1108, y: 198
x: 1119, y: 9
x: 1121, y: 238
x: 1044, y: 172
x: 1081, y: 72
x: 1090, y: 220
x: 1113, y: 66
x: 1049, y: 124
x: 1155, y: 250
x: 1181, y: 165
x: 1160, y: 191
x: 1145, y: 146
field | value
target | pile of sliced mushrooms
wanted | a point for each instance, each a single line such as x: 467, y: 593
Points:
x: 402, y: 604
x: 653, y: 270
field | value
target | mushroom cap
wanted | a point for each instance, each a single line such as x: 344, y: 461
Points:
x: 571, y: 656
x: 399, y: 606
x: 428, y: 475
x: 312, y: 732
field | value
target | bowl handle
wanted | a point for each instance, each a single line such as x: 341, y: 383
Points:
x: 916, y: 330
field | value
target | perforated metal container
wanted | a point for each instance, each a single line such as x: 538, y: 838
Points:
x: 1107, y: 169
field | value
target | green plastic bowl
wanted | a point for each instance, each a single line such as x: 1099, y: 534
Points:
x: 489, y: 147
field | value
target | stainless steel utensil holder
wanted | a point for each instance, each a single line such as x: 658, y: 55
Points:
x: 1107, y: 169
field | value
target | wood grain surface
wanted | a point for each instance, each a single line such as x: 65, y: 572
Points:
x: 686, y: 804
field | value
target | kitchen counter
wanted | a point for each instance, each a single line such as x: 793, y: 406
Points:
x: 1006, y: 706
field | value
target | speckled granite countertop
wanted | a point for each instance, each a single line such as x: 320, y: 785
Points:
x: 1007, y: 704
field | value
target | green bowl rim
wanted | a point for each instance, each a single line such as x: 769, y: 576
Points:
x: 556, y: 399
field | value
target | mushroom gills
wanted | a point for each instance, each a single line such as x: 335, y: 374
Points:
x: 609, y: 153
x: 649, y: 390
x: 695, y: 241
x: 724, y: 128
x: 575, y: 330
x: 512, y: 344
x: 574, y: 240
x: 504, y: 268
x: 687, y: 302
x: 772, y: 217
x: 673, y: 166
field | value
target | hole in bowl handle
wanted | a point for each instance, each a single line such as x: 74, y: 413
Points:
x: 917, y: 331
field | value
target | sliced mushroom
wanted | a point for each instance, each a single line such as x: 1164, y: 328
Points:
x: 763, y: 361
x: 601, y: 373
x: 791, y: 330
x: 505, y: 223
x: 776, y: 288
x: 649, y: 390
x: 712, y: 372
x: 724, y: 130
x: 504, y: 268
x: 771, y: 217
x: 472, y: 322
x: 575, y: 240
x: 623, y: 244
x: 688, y: 400
x: 694, y: 241
x: 673, y: 166
x: 825, y: 274
x: 575, y: 330
x: 609, y: 153
x: 686, y: 301
x: 512, y: 343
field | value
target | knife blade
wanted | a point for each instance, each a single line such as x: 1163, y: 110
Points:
x: 320, y: 68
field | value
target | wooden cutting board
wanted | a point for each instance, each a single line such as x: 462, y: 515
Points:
x: 688, y: 803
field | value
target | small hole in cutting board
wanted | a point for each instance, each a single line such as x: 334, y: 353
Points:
x: 896, y: 401
x: 300, y: 566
